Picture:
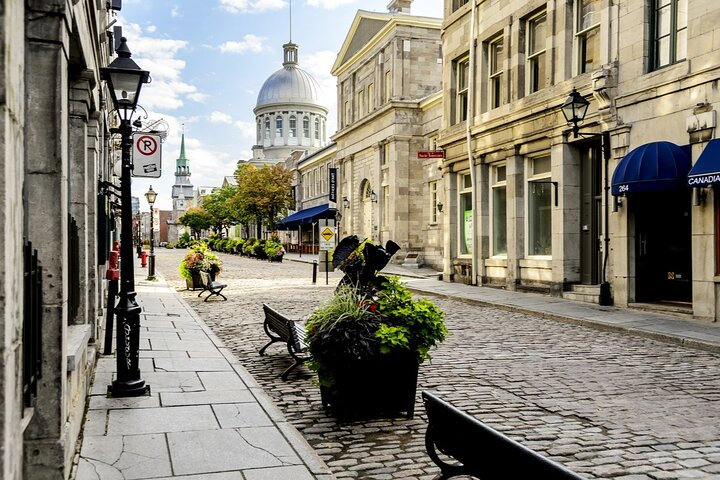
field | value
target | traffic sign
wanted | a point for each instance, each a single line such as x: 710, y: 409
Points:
x: 146, y: 154
x: 327, y: 239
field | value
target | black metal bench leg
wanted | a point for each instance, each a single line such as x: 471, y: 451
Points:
x: 285, y: 374
x: 262, y: 350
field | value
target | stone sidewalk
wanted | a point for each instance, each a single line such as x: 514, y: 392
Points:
x: 206, y: 417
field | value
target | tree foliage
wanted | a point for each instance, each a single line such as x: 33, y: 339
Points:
x: 262, y: 194
x: 197, y: 219
x: 218, y: 205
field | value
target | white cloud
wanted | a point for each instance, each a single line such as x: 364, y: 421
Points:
x: 247, y: 130
x: 220, y: 117
x: 175, y: 11
x: 329, y: 4
x: 319, y: 64
x: 151, y: 28
x: 251, y: 6
x: 250, y: 43
x: 198, y: 97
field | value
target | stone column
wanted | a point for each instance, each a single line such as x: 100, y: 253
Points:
x: 566, y: 216
x: 515, y: 194
x: 46, y: 191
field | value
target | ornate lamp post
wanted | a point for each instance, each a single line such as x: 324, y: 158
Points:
x: 151, y: 195
x: 124, y: 80
x: 574, y: 109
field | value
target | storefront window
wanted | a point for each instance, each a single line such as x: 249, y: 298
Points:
x: 539, y: 208
x: 499, y: 212
x: 465, y: 222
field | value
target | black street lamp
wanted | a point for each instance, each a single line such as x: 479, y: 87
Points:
x: 574, y: 109
x: 151, y: 195
x: 124, y: 80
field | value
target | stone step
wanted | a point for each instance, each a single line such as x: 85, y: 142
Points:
x: 587, y: 297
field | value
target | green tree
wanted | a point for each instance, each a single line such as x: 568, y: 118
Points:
x: 197, y: 219
x: 263, y: 194
x: 219, y: 205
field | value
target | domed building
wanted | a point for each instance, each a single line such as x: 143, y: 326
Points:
x: 288, y: 115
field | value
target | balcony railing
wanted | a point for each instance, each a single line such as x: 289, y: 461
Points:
x: 32, y: 325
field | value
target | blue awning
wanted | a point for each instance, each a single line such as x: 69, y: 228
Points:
x: 305, y: 217
x: 706, y: 170
x: 651, y: 167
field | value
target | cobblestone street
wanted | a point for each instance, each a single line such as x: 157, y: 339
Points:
x: 604, y: 404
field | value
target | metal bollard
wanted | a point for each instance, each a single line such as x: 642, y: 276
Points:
x: 315, y: 268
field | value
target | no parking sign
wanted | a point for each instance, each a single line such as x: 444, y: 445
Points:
x: 146, y: 155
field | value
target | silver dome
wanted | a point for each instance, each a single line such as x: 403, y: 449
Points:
x: 290, y: 84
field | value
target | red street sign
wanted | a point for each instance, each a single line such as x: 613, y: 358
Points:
x: 431, y: 154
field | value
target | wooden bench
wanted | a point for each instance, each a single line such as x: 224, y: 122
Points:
x: 482, y: 452
x: 212, y: 286
x: 282, y: 329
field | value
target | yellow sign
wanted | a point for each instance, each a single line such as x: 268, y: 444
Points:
x: 327, y: 234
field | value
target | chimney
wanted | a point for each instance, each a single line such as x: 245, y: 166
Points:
x: 400, y: 6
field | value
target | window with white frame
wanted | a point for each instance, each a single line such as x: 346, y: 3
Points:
x: 461, y: 70
x: 292, y: 131
x: 317, y: 128
x: 259, y: 129
x: 465, y: 212
x: 323, y: 179
x: 305, y: 190
x: 669, y: 32
x: 267, y: 127
x: 306, y: 127
x: 278, y: 127
x: 386, y: 206
x: 458, y: 3
x: 498, y: 208
x: 384, y: 154
x: 587, y: 35
x: 536, y: 37
x: 496, y: 91
x: 539, y: 209
x: 433, y: 187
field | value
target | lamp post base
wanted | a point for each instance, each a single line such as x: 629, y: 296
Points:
x: 134, y: 388
x: 151, y: 267
x: 605, y: 297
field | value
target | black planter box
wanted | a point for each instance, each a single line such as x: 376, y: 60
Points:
x: 382, y: 387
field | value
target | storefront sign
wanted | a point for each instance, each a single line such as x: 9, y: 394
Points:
x: 431, y: 154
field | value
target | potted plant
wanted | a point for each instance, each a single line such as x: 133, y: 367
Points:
x: 199, y: 259
x: 274, y: 249
x: 369, y: 339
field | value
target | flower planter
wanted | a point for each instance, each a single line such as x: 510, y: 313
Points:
x: 195, y: 282
x: 384, y: 386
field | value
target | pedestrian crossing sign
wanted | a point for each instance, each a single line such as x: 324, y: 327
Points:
x: 327, y: 238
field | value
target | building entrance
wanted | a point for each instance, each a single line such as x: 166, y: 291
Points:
x: 663, y: 263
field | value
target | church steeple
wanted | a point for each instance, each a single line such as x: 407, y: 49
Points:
x: 182, y: 164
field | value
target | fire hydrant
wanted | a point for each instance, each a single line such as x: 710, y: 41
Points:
x: 143, y: 259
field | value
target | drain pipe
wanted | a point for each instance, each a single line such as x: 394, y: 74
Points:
x: 468, y: 139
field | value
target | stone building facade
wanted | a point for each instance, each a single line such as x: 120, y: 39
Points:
x: 389, y: 108
x: 531, y: 205
x: 54, y: 215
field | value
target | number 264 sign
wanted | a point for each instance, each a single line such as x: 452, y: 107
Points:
x: 146, y: 155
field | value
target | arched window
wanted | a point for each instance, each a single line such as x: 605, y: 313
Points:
x: 293, y: 127
x: 278, y: 127
x: 267, y: 127
x: 306, y: 127
x: 259, y: 129
x: 317, y: 128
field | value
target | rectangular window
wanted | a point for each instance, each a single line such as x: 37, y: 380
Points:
x: 433, y: 201
x: 539, y: 208
x: 462, y: 76
x: 465, y: 222
x: 347, y: 113
x: 360, y: 103
x: 536, y: 37
x: 292, y: 132
x: 278, y: 127
x: 386, y: 206
x: 495, y: 72
x: 499, y: 211
x: 305, y: 191
x: 388, y: 85
x: 384, y: 154
x: 306, y: 127
x: 323, y: 180
x: 458, y: 3
x: 371, y: 97
x: 587, y: 35
x: 669, y: 32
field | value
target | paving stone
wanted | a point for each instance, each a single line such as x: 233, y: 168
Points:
x: 622, y: 402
